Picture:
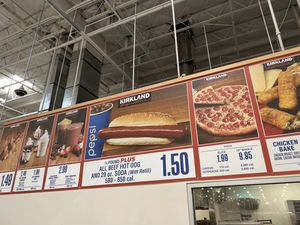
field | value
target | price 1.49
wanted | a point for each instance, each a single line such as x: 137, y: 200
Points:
x: 178, y: 163
x: 6, y: 180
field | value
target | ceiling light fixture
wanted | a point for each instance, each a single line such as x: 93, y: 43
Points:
x: 20, y: 91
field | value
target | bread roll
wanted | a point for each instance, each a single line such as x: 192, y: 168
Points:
x: 143, y: 119
x: 278, y: 118
x: 269, y: 95
x: 287, y: 91
x: 139, y: 141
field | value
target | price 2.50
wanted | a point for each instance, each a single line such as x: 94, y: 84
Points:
x: 177, y: 163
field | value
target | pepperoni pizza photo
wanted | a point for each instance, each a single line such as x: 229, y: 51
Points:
x: 223, y: 109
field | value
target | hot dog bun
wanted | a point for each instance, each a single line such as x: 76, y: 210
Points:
x: 142, y: 120
x: 139, y: 141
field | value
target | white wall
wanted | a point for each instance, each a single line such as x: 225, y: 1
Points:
x: 157, y: 204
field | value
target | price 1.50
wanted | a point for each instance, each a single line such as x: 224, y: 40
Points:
x: 6, y: 180
x: 176, y: 164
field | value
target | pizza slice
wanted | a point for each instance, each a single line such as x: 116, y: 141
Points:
x: 208, y: 96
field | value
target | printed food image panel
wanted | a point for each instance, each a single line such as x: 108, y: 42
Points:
x: 143, y: 122
x: 69, y: 135
x: 276, y: 85
x: 37, y: 140
x: 1, y: 132
x: 223, y: 109
x: 10, y: 146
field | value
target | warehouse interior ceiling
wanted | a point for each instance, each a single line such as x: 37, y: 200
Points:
x: 220, y: 32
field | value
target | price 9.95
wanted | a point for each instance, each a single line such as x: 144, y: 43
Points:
x: 245, y: 155
x: 175, y: 164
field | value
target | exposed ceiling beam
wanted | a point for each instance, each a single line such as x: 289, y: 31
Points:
x: 146, y: 50
x: 133, y: 17
x: 80, y: 5
x: 79, y: 24
x: 194, y: 25
x: 225, y: 51
x: 117, y: 7
x: 11, y: 109
x: 25, y: 101
x: 28, y: 29
x: 10, y: 77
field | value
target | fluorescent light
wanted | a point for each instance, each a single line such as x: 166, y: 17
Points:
x: 15, y: 82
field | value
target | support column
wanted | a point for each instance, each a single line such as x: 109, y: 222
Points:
x: 278, y: 34
x: 185, y: 57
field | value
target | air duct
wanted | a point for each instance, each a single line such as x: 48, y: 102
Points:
x: 184, y: 40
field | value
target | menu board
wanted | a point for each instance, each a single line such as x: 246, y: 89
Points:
x: 239, y: 123
x: 10, y: 147
x: 67, y: 148
x: 146, y: 121
x: 140, y: 168
x: 1, y: 131
x: 154, y: 120
x: 224, y: 115
x: 276, y: 85
x: 30, y: 174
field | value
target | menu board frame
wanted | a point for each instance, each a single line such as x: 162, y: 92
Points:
x: 196, y: 174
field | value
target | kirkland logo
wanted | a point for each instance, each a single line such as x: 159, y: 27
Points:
x: 278, y: 63
x: 219, y: 76
x: 136, y: 99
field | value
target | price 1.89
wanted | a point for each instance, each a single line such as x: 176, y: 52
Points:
x: 176, y: 164
x: 6, y: 180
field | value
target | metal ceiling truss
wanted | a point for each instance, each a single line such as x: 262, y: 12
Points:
x: 211, y: 17
x: 229, y: 34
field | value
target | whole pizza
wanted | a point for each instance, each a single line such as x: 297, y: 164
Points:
x: 227, y: 110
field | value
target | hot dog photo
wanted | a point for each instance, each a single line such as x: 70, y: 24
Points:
x: 142, y: 122
x: 11, y: 145
x: 276, y: 84
x: 223, y: 109
x: 67, y: 146
x: 35, y: 148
